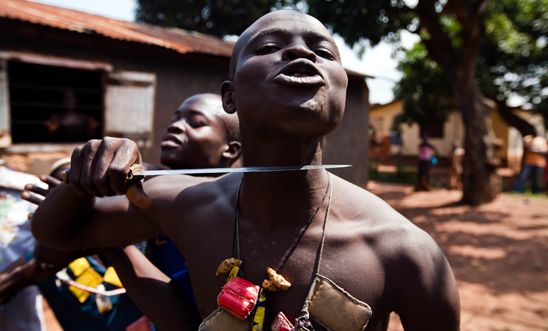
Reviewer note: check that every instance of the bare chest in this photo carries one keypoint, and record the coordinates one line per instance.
(348, 262)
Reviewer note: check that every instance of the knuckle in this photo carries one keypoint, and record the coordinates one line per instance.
(101, 185)
(117, 172)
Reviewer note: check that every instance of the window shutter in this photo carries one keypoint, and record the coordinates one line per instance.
(129, 106)
(5, 131)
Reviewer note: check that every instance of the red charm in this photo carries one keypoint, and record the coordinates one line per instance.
(281, 323)
(238, 297)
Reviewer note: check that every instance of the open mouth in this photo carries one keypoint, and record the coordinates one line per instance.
(300, 73)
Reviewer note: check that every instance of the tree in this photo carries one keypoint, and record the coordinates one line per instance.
(217, 18)
(424, 89)
(453, 35)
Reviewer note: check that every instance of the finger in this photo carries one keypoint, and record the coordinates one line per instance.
(126, 155)
(36, 189)
(51, 181)
(103, 161)
(137, 196)
(76, 169)
(88, 164)
(32, 198)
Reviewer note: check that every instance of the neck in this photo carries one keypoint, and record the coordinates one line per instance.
(282, 198)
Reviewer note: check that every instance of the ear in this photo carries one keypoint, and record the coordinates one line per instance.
(227, 89)
(233, 151)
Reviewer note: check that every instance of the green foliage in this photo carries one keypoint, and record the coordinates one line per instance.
(357, 20)
(514, 59)
(217, 18)
(511, 59)
(425, 90)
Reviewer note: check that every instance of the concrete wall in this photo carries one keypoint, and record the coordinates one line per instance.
(349, 143)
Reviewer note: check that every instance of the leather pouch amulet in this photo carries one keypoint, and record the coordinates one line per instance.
(336, 309)
(238, 297)
(281, 323)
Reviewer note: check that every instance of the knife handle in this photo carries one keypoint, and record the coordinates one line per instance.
(134, 188)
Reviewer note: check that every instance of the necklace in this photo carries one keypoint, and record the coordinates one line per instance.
(294, 243)
(277, 282)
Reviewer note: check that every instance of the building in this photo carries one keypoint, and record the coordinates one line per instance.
(443, 135)
(119, 78)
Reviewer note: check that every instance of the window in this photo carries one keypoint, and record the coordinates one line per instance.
(54, 104)
(58, 100)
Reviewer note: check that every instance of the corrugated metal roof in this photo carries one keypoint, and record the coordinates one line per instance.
(179, 40)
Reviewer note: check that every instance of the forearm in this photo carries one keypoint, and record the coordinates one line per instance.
(54, 222)
(147, 286)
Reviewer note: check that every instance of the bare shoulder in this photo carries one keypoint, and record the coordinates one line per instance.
(380, 223)
(418, 281)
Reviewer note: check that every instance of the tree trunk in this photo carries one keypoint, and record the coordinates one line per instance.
(480, 182)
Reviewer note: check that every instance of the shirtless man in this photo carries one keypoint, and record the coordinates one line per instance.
(288, 87)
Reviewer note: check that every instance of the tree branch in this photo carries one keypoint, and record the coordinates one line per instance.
(439, 46)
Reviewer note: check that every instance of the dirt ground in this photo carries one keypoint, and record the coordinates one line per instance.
(499, 253)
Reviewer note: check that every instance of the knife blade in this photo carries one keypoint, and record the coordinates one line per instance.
(140, 172)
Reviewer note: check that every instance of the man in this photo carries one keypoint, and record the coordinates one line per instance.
(288, 87)
(200, 134)
(534, 162)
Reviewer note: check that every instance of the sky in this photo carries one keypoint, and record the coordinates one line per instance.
(376, 61)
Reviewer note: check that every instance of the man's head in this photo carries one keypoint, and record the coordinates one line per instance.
(286, 74)
(201, 134)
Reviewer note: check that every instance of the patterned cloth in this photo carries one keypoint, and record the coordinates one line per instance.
(24, 311)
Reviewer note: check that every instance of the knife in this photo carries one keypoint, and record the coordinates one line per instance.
(137, 172)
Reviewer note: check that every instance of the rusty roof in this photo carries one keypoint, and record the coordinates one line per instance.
(181, 41)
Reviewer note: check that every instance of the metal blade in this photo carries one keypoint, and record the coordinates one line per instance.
(205, 171)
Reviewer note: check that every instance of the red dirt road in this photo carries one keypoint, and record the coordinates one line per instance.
(498, 251)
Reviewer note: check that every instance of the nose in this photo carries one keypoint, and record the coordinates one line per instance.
(298, 51)
(176, 127)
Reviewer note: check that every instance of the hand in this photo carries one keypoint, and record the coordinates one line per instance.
(36, 194)
(100, 167)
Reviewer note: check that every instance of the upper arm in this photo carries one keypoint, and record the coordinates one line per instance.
(427, 297)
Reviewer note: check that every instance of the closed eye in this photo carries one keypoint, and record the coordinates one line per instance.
(326, 54)
(197, 121)
(266, 49)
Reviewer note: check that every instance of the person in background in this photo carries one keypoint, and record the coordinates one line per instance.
(534, 162)
(455, 174)
(426, 159)
(200, 134)
(71, 124)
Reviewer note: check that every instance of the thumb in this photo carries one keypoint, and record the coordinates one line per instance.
(137, 196)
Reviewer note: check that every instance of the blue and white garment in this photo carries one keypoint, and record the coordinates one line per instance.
(23, 311)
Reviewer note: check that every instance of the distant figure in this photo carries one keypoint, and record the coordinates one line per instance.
(455, 175)
(69, 125)
(534, 162)
(427, 158)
